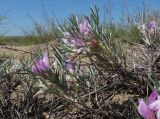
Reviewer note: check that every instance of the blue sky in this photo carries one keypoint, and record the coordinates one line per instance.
(18, 12)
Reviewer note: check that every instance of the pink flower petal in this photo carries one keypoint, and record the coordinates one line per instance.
(155, 105)
(46, 60)
(158, 114)
(84, 26)
(150, 115)
(65, 41)
(153, 25)
(77, 42)
(41, 65)
(35, 69)
(143, 109)
(153, 96)
(44, 67)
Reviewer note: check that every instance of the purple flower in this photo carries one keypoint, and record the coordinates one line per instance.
(155, 106)
(84, 26)
(152, 97)
(41, 65)
(153, 25)
(77, 42)
(145, 111)
(151, 109)
(70, 65)
(66, 42)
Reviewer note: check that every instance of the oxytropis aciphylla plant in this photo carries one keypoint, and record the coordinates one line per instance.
(81, 40)
(86, 37)
(74, 46)
(77, 41)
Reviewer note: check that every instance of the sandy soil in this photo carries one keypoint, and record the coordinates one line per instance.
(16, 51)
